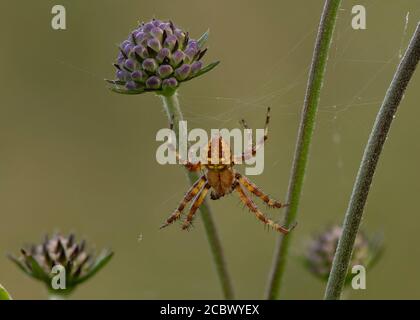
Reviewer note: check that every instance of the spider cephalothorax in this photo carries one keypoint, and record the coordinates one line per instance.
(223, 179)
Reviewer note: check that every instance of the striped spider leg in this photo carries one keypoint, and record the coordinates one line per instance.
(198, 200)
(241, 182)
(249, 153)
(251, 187)
(222, 179)
(195, 190)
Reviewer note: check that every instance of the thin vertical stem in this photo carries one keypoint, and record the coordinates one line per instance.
(313, 91)
(172, 108)
(367, 168)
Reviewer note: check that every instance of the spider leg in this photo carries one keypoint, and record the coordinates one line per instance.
(244, 124)
(258, 192)
(195, 205)
(189, 165)
(248, 154)
(251, 205)
(194, 190)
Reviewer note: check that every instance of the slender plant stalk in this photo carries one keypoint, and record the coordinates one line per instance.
(172, 109)
(313, 90)
(367, 167)
(4, 295)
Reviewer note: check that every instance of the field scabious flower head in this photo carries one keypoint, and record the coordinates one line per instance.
(158, 56)
(77, 261)
(321, 249)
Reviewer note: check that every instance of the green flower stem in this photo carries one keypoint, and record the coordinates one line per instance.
(313, 90)
(367, 167)
(172, 108)
(4, 295)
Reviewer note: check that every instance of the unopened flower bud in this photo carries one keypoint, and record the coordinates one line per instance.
(150, 55)
(153, 82)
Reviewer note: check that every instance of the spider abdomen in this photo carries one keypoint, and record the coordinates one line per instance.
(221, 181)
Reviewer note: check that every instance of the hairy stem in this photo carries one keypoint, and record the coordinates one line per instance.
(172, 108)
(310, 106)
(367, 167)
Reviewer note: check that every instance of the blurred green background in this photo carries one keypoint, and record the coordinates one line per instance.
(77, 157)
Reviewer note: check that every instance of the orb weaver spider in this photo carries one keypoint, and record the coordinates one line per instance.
(223, 179)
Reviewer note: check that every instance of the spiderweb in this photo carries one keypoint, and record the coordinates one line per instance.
(273, 90)
(269, 93)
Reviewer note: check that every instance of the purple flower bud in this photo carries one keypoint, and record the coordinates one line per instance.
(127, 48)
(162, 54)
(120, 58)
(166, 27)
(320, 251)
(140, 37)
(177, 58)
(190, 53)
(165, 71)
(141, 51)
(130, 64)
(170, 83)
(148, 27)
(125, 43)
(196, 66)
(154, 44)
(180, 35)
(156, 22)
(150, 65)
(153, 82)
(170, 42)
(183, 72)
(131, 85)
(121, 75)
(157, 33)
(139, 76)
(193, 44)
